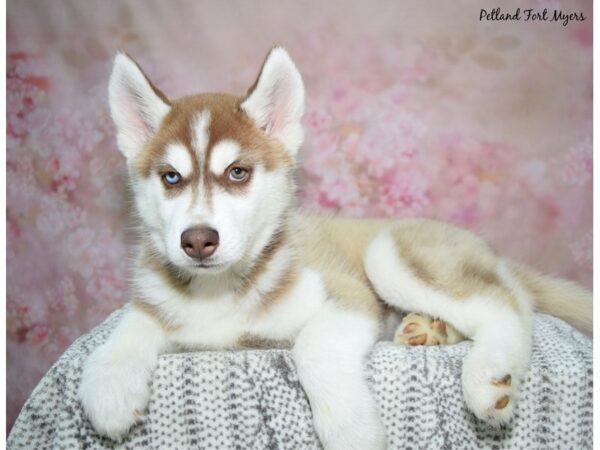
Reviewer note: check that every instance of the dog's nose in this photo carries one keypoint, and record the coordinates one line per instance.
(199, 242)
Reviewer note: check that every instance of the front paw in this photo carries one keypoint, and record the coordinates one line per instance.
(490, 387)
(114, 392)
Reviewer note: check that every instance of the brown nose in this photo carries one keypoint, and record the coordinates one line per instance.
(199, 242)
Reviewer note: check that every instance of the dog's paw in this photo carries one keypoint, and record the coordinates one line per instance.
(114, 393)
(418, 329)
(490, 390)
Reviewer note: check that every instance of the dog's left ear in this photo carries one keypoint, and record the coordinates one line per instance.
(276, 100)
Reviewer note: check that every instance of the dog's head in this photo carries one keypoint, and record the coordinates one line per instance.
(212, 174)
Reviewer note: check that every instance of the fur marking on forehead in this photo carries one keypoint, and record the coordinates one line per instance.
(221, 118)
(178, 157)
(223, 154)
(200, 133)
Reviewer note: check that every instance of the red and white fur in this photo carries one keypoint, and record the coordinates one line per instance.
(224, 258)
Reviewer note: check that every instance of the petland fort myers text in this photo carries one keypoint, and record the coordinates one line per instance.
(531, 15)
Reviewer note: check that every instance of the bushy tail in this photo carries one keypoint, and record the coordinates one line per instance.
(558, 297)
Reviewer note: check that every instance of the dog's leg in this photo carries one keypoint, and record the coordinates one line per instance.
(330, 357)
(495, 365)
(497, 317)
(115, 380)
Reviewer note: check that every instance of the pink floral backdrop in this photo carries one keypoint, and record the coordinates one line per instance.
(412, 111)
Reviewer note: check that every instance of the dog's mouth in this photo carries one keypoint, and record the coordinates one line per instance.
(208, 266)
(202, 264)
(205, 265)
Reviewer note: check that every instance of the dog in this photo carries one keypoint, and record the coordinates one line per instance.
(224, 259)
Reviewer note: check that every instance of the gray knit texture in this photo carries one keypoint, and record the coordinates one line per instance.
(252, 399)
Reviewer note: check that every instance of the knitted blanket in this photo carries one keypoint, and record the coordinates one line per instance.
(251, 399)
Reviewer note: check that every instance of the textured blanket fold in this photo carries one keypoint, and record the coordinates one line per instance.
(252, 399)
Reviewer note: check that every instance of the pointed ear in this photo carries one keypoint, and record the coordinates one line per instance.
(276, 101)
(136, 106)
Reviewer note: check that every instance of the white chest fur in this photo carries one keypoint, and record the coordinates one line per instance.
(220, 319)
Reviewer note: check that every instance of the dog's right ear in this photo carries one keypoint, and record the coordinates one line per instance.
(136, 106)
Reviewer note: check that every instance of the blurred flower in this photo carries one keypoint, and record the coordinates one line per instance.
(583, 249)
(577, 163)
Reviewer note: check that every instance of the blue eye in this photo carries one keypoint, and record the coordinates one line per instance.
(238, 174)
(172, 177)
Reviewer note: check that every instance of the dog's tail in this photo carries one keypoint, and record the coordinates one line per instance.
(561, 298)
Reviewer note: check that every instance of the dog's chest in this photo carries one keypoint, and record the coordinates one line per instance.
(224, 321)
(215, 323)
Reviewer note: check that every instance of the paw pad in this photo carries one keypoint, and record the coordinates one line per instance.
(504, 381)
(417, 329)
(410, 327)
(502, 402)
(418, 340)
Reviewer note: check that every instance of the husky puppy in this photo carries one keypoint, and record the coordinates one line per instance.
(225, 258)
